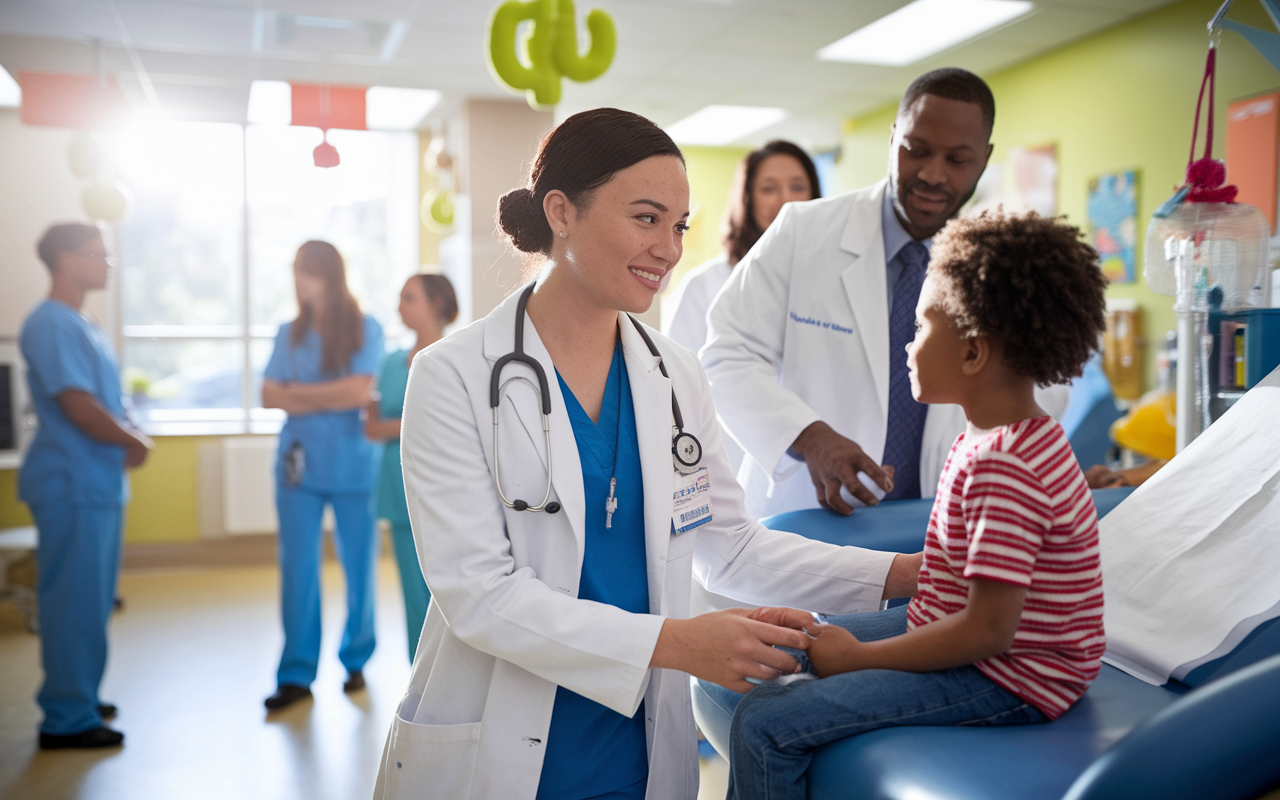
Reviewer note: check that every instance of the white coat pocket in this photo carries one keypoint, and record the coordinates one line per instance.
(433, 762)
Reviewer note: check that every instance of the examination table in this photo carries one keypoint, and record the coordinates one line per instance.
(1123, 739)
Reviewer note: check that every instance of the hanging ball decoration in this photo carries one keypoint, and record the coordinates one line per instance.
(436, 211)
(325, 155)
(86, 155)
(431, 158)
(108, 202)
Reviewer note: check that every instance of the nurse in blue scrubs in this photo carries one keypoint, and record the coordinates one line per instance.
(73, 481)
(427, 304)
(320, 373)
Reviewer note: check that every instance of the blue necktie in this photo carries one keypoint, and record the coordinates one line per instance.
(906, 417)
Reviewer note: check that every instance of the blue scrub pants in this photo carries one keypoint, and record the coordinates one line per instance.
(79, 556)
(416, 593)
(355, 540)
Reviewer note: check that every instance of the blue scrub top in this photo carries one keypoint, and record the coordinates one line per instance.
(63, 351)
(393, 379)
(592, 750)
(338, 456)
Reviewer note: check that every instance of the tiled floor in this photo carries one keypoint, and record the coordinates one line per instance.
(193, 655)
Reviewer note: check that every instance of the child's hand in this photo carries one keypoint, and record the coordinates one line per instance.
(834, 651)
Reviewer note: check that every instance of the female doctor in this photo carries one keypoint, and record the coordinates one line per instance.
(565, 473)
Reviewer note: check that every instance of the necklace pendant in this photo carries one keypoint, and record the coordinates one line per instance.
(610, 504)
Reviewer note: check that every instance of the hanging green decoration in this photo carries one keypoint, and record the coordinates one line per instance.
(551, 51)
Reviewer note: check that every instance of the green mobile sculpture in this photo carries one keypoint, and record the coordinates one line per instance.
(551, 51)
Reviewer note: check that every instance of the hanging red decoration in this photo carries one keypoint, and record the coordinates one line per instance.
(325, 155)
(1206, 176)
(70, 100)
(325, 107)
(320, 105)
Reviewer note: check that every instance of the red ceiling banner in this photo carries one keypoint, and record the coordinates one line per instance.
(73, 101)
(325, 106)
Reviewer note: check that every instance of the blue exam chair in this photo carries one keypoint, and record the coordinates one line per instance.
(1123, 739)
(1089, 414)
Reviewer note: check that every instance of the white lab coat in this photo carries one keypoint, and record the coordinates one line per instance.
(505, 627)
(800, 333)
(688, 323)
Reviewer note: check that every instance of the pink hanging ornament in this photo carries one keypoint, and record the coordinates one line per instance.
(1206, 176)
(325, 155)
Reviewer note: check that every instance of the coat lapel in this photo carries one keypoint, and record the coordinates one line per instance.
(651, 396)
(865, 284)
(566, 474)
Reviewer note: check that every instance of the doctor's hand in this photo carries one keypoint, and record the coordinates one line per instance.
(727, 647)
(835, 461)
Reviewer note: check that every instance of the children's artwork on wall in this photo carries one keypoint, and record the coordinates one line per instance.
(1027, 180)
(1113, 223)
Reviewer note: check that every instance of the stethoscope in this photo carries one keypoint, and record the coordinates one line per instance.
(686, 450)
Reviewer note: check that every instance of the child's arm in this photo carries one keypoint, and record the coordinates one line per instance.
(984, 628)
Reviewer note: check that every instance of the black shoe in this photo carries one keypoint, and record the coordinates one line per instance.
(95, 737)
(355, 682)
(107, 710)
(286, 695)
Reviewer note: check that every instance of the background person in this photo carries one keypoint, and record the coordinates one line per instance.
(556, 640)
(778, 173)
(427, 305)
(321, 373)
(806, 344)
(73, 481)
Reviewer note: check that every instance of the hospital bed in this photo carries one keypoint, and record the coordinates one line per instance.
(1215, 734)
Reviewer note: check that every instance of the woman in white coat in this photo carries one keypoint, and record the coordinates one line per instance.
(555, 531)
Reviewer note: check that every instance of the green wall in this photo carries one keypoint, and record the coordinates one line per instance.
(1118, 100)
(12, 513)
(710, 177)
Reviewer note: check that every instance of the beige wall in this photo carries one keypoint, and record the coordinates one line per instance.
(496, 140)
(39, 190)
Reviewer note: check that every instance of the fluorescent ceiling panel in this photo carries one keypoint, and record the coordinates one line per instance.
(921, 29)
(270, 103)
(720, 125)
(10, 93)
(388, 108)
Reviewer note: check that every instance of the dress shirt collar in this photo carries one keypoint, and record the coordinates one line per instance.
(895, 236)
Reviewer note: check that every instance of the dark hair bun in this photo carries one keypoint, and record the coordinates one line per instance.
(524, 222)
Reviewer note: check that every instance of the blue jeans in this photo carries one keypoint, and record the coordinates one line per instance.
(776, 728)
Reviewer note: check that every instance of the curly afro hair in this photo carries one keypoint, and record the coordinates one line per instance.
(1028, 282)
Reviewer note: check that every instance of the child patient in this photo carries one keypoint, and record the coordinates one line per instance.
(1007, 626)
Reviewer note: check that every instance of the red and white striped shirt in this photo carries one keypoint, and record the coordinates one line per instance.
(1013, 506)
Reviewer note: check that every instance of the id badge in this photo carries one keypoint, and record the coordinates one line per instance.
(691, 503)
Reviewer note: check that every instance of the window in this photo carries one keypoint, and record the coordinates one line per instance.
(207, 250)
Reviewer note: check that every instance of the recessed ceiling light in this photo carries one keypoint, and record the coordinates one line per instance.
(270, 103)
(920, 29)
(720, 125)
(10, 92)
(388, 108)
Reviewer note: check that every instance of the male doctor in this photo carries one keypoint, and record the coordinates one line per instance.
(806, 347)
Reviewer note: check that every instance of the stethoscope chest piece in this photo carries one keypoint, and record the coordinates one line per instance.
(686, 450)
(686, 453)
